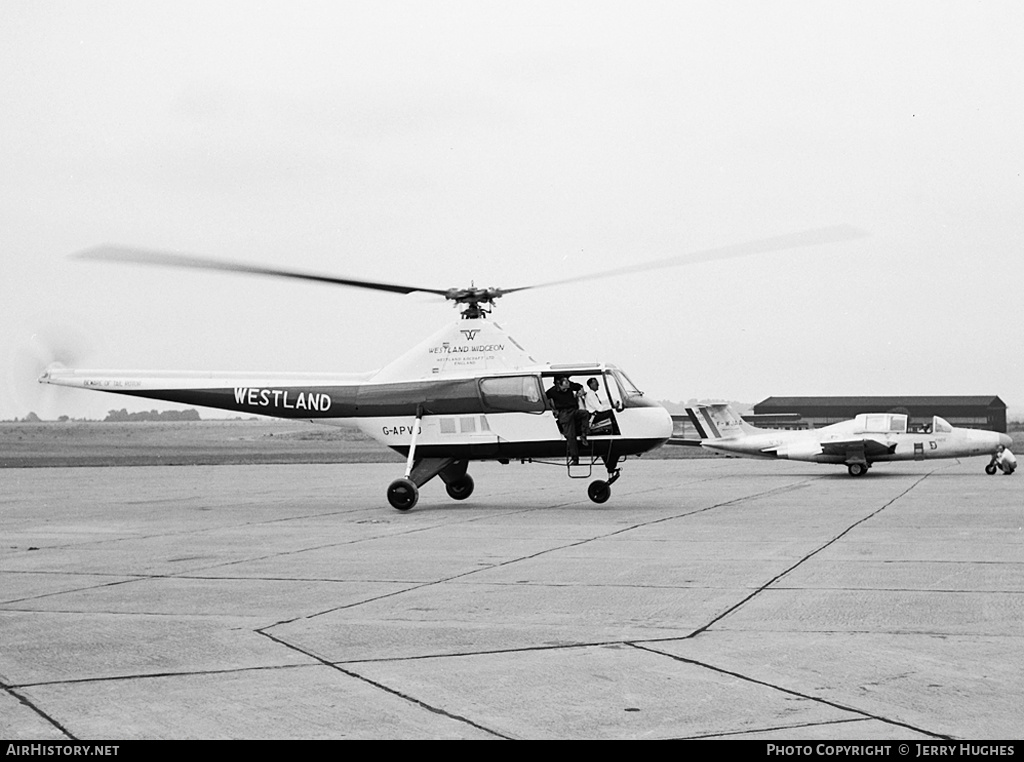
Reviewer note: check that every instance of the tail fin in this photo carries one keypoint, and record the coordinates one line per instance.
(718, 421)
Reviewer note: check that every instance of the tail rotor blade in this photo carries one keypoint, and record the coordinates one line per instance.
(55, 345)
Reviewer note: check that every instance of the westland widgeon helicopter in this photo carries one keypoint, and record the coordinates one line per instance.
(468, 393)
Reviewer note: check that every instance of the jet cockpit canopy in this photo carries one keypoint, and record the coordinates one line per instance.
(881, 423)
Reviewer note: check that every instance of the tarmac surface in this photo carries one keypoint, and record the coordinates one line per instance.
(706, 599)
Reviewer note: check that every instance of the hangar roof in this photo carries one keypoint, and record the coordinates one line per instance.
(878, 404)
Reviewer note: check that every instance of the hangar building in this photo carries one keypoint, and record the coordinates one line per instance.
(981, 412)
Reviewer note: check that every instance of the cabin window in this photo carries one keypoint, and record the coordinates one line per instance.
(898, 424)
(942, 426)
(513, 394)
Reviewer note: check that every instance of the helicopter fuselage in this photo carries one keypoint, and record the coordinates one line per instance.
(493, 416)
(465, 394)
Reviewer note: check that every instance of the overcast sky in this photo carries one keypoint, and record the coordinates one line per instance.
(509, 143)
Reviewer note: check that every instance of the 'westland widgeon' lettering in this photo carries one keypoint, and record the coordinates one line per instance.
(449, 349)
(282, 398)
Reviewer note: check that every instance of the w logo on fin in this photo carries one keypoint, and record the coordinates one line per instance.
(470, 333)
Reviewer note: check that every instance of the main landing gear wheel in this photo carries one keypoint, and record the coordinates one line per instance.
(991, 469)
(599, 491)
(857, 469)
(461, 488)
(403, 494)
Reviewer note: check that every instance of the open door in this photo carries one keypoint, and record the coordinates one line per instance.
(609, 396)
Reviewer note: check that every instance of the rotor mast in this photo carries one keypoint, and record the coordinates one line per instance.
(478, 302)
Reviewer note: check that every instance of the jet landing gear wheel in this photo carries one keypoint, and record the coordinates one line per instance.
(599, 491)
(991, 469)
(461, 488)
(857, 469)
(403, 494)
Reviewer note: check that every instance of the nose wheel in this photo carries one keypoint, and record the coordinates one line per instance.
(857, 469)
(599, 491)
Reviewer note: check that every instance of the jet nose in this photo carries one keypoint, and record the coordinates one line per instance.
(1005, 440)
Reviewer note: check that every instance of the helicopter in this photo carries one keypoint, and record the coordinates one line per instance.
(470, 392)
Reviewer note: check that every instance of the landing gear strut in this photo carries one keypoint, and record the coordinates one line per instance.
(404, 493)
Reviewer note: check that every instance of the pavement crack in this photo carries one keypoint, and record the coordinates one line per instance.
(788, 691)
(546, 551)
(380, 686)
(5, 604)
(772, 729)
(159, 675)
(742, 602)
(31, 706)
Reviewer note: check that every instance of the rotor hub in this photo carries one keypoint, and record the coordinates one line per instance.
(477, 301)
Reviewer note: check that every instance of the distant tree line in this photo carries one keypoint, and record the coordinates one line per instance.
(117, 416)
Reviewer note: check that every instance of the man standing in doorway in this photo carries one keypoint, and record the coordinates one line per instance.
(572, 421)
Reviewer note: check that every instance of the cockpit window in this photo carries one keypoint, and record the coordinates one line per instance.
(875, 423)
(628, 388)
(942, 426)
(882, 423)
(512, 393)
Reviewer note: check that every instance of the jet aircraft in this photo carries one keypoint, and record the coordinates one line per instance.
(858, 443)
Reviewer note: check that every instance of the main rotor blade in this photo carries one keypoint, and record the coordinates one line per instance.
(816, 237)
(110, 253)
